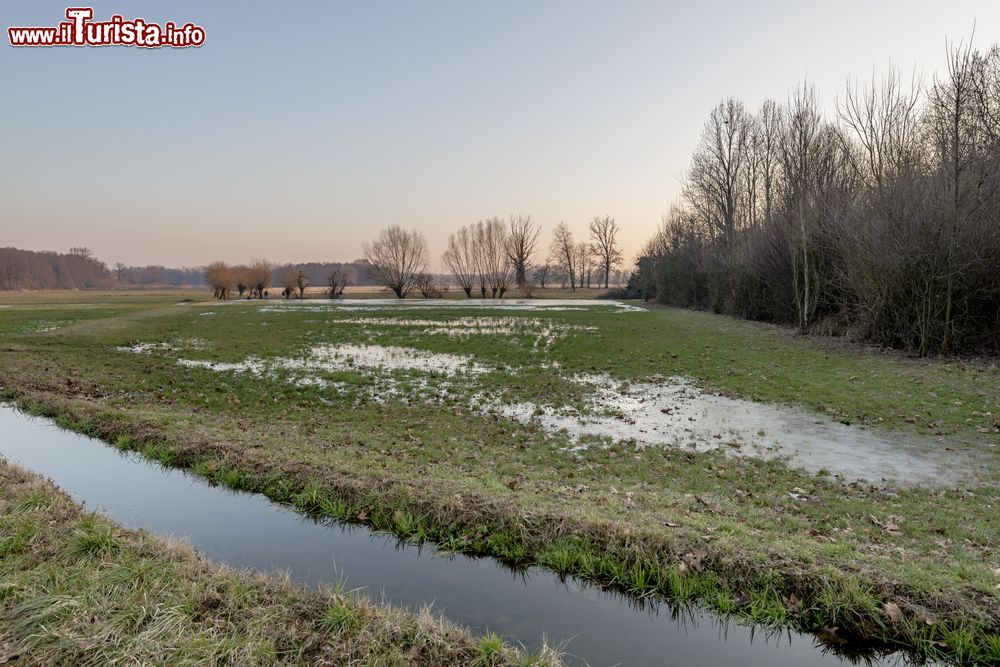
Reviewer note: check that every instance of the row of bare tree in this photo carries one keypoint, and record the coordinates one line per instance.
(881, 222)
(253, 280)
(491, 256)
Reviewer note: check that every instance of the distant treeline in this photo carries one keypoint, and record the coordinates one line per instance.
(880, 223)
(76, 269)
(80, 269)
(155, 275)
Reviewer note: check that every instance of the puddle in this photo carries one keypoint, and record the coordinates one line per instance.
(661, 412)
(179, 345)
(673, 412)
(347, 357)
(247, 531)
(416, 304)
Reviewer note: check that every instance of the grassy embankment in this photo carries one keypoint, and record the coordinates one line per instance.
(910, 567)
(75, 589)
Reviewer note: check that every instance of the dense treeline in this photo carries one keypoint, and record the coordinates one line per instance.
(156, 275)
(881, 223)
(28, 269)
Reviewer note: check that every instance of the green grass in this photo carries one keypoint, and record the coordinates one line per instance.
(426, 468)
(77, 590)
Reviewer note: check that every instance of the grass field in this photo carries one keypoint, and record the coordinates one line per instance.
(444, 441)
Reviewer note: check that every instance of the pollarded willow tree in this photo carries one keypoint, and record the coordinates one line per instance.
(604, 245)
(522, 240)
(396, 258)
(221, 278)
(460, 258)
(259, 276)
(494, 268)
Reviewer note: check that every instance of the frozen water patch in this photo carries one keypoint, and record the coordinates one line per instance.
(545, 331)
(436, 374)
(178, 345)
(666, 412)
(672, 412)
(362, 305)
(347, 357)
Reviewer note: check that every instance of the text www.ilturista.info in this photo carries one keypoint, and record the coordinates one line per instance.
(80, 30)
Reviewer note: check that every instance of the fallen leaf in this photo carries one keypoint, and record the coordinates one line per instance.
(693, 560)
(512, 485)
(792, 603)
(682, 569)
(893, 612)
(829, 632)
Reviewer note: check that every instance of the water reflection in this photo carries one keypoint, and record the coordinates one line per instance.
(596, 626)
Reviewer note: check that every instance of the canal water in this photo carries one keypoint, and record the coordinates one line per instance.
(246, 530)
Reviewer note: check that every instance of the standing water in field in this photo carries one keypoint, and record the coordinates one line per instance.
(246, 530)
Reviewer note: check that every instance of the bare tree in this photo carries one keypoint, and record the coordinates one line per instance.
(715, 180)
(767, 144)
(259, 275)
(336, 284)
(799, 152)
(427, 286)
(541, 274)
(522, 240)
(220, 278)
(242, 277)
(584, 255)
(396, 258)
(289, 282)
(494, 266)
(119, 270)
(883, 118)
(562, 252)
(954, 130)
(301, 282)
(604, 245)
(460, 258)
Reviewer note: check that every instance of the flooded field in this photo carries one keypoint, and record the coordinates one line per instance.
(657, 411)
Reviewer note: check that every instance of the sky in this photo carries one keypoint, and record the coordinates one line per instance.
(300, 129)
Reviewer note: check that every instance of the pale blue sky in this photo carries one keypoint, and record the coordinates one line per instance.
(296, 135)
